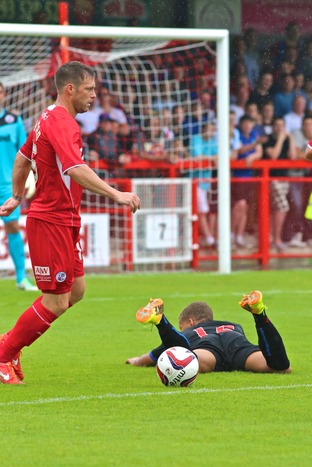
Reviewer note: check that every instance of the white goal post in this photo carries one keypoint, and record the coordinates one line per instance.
(221, 37)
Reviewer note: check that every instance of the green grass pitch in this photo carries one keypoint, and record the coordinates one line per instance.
(82, 406)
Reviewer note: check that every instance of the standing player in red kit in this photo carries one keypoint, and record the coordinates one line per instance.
(53, 151)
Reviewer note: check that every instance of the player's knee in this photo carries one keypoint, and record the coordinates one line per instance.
(76, 298)
(57, 304)
(12, 227)
(78, 290)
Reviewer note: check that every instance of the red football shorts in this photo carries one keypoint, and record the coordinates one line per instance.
(55, 254)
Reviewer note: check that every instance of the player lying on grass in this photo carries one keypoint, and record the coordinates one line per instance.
(219, 345)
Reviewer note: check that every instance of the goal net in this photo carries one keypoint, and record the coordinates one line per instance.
(165, 95)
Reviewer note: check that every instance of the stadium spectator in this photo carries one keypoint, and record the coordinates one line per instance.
(193, 121)
(156, 147)
(292, 39)
(305, 60)
(291, 57)
(54, 212)
(308, 91)
(166, 127)
(243, 62)
(299, 84)
(280, 145)
(89, 121)
(283, 99)
(235, 142)
(204, 147)
(177, 152)
(203, 70)
(179, 75)
(218, 345)
(239, 106)
(207, 113)
(267, 114)
(293, 119)
(252, 55)
(252, 110)
(296, 229)
(263, 91)
(105, 105)
(285, 68)
(163, 97)
(142, 105)
(179, 124)
(12, 136)
(103, 144)
(236, 83)
(160, 70)
(242, 192)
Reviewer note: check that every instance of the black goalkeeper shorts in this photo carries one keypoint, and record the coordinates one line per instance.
(231, 349)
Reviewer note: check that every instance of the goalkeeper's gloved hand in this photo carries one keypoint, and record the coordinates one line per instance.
(30, 185)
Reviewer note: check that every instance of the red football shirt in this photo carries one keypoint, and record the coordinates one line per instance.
(55, 146)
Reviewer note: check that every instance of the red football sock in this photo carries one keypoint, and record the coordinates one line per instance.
(30, 325)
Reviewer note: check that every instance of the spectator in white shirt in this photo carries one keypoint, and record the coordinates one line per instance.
(293, 120)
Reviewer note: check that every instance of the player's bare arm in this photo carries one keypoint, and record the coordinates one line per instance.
(142, 360)
(20, 173)
(89, 180)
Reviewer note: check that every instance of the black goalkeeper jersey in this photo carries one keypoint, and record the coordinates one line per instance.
(200, 331)
(226, 340)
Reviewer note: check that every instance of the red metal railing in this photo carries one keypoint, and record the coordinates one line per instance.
(262, 252)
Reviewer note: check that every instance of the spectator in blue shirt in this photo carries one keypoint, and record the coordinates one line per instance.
(283, 99)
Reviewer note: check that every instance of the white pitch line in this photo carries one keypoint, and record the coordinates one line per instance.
(199, 295)
(206, 295)
(171, 392)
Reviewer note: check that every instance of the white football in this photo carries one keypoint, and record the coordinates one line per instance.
(177, 366)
